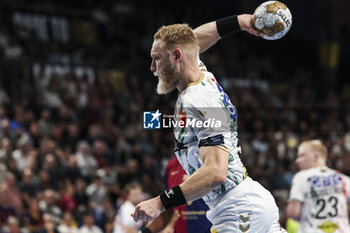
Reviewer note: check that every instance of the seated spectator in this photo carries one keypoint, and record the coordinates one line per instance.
(45, 123)
(35, 134)
(88, 226)
(68, 224)
(5, 209)
(27, 186)
(49, 225)
(6, 131)
(103, 213)
(48, 205)
(51, 165)
(22, 155)
(44, 181)
(5, 149)
(51, 96)
(11, 193)
(101, 153)
(86, 161)
(13, 226)
(67, 201)
(3, 172)
(72, 171)
(33, 216)
(96, 191)
(80, 194)
(73, 136)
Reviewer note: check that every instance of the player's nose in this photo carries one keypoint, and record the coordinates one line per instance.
(152, 67)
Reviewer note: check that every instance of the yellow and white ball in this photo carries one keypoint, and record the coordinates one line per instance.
(273, 18)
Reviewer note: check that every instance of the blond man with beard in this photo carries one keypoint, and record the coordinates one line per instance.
(209, 155)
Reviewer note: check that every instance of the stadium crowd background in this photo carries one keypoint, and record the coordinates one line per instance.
(75, 79)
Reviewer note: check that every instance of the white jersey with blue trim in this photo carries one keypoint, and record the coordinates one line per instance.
(324, 193)
(205, 116)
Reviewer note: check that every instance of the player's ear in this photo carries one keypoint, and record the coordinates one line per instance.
(316, 157)
(177, 53)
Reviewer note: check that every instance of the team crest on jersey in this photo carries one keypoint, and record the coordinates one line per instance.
(328, 227)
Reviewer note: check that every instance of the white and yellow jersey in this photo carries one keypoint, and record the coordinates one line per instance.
(205, 116)
(324, 193)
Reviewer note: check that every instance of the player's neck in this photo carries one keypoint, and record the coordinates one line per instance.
(189, 76)
(320, 164)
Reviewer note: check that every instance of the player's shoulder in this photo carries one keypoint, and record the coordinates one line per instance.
(306, 173)
(299, 175)
(316, 171)
(202, 93)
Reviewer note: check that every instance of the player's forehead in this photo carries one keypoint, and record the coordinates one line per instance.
(157, 47)
(303, 149)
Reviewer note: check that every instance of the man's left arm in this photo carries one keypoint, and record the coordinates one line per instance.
(206, 178)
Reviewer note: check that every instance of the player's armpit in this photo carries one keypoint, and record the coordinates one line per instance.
(294, 209)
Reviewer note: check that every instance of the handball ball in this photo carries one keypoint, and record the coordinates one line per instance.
(273, 18)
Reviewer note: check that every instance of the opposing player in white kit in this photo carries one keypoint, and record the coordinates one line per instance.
(209, 153)
(319, 196)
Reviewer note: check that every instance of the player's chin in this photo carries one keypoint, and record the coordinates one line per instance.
(163, 89)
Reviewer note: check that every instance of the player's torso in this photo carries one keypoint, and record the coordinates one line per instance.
(325, 206)
(218, 109)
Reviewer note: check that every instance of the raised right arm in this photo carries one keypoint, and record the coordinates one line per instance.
(209, 33)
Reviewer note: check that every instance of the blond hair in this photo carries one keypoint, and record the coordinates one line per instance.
(177, 35)
(317, 146)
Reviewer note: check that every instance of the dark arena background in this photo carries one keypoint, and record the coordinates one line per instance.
(75, 80)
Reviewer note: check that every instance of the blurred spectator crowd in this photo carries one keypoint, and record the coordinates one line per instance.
(70, 140)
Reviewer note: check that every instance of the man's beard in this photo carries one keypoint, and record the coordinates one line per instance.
(168, 81)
